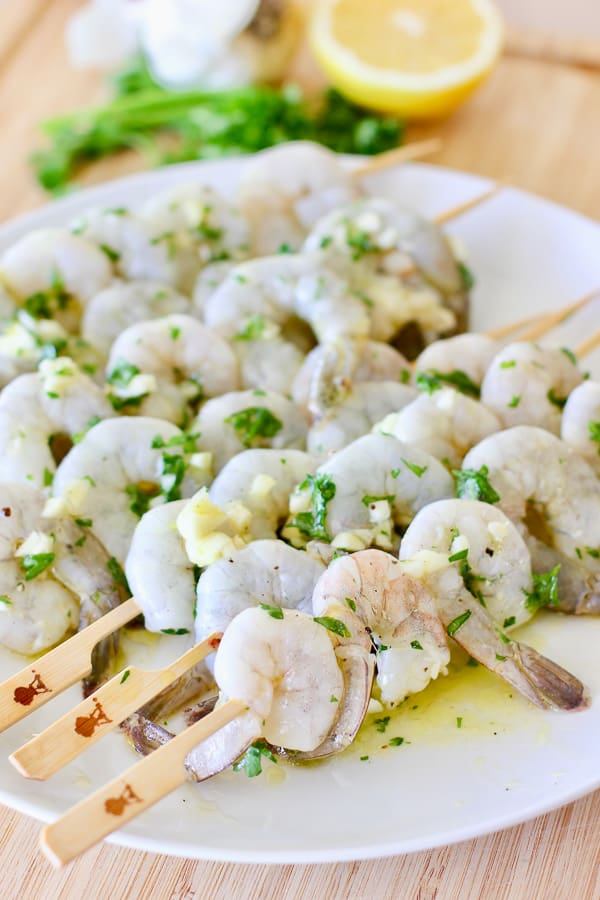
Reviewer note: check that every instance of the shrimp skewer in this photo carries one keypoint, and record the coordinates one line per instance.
(279, 676)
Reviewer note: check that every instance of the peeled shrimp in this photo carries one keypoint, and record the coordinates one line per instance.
(357, 413)
(580, 425)
(445, 423)
(284, 191)
(262, 480)
(478, 569)
(118, 468)
(54, 578)
(276, 288)
(468, 353)
(528, 385)
(399, 613)
(40, 412)
(244, 419)
(56, 270)
(286, 671)
(197, 226)
(358, 495)
(186, 360)
(268, 572)
(555, 496)
(133, 246)
(117, 307)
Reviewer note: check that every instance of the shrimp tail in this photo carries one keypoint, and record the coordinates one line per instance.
(358, 671)
(553, 686)
(143, 735)
(186, 689)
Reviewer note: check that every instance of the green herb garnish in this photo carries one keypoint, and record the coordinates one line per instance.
(275, 612)
(251, 760)
(254, 422)
(545, 590)
(458, 622)
(334, 625)
(312, 523)
(34, 564)
(473, 484)
(432, 380)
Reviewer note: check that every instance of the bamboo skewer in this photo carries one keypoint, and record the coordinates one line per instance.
(557, 318)
(456, 211)
(129, 794)
(90, 720)
(588, 345)
(503, 331)
(398, 155)
(58, 669)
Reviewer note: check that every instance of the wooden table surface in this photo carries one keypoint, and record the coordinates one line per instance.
(534, 122)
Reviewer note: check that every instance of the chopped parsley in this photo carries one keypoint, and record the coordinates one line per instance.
(416, 645)
(251, 760)
(113, 255)
(174, 332)
(459, 555)
(381, 724)
(48, 478)
(359, 242)
(432, 380)
(177, 631)
(172, 473)
(185, 440)
(312, 523)
(396, 741)
(334, 699)
(275, 612)
(474, 484)
(118, 574)
(351, 603)
(125, 676)
(508, 622)
(569, 354)
(5, 600)
(514, 401)
(79, 436)
(122, 374)
(253, 330)
(459, 721)
(368, 499)
(508, 364)
(419, 471)
(470, 580)
(334, 625)
(254, 422)
(594, 433)
(34, 564)
(559, 402)
(466, 276)
(545, 590)
(84, 523)
(458, 622)
(140, 496)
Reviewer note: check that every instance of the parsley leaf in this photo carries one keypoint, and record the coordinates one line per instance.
(458, 622)
(334, 625)
(254, 422)
(312, 523)
(545, 590)
(431, 380)
(35, 563)
(275, 612)
(473, 484)
(251, 760)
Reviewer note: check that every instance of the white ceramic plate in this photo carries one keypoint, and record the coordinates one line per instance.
(507, 762)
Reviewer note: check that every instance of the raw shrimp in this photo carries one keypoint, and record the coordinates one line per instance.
(267, 360)
(208, 280)
(286, 671)
(55, 273)
(357, 413)
(330, 370)
(25, 341)
(275, 288)
(399, 613)
(262, 480)
(197, 226)
(187, 361)
(247, 501)
(486, 594)
(245, 419)
(40, 414)
(359, 495)
(445, 423)
(580, 426)
(120, 467)
(54, 577)
(117, 307)
(464, 354)
(267, 572)
(554, 494)
(375, 237)
(286, 189)
(131, 244)
(529, 385)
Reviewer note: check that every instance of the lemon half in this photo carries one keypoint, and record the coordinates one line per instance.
(417, 58)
